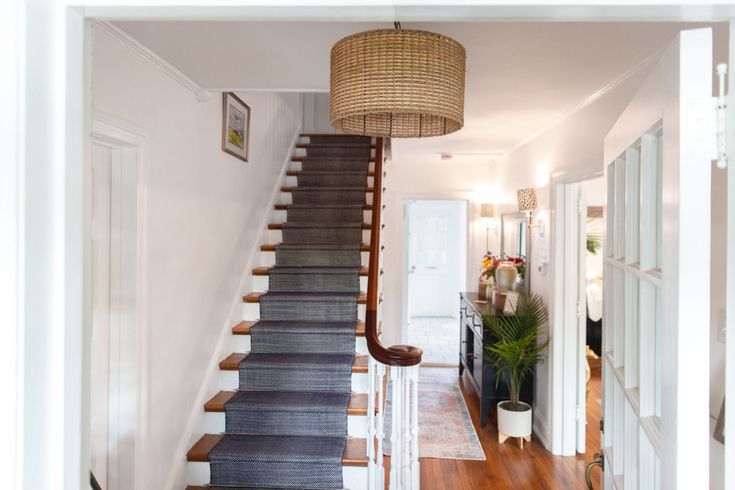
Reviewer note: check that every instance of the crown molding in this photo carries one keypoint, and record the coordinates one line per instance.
(144, 53)
(589, 100)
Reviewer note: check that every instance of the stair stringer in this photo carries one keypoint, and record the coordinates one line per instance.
(195, 422)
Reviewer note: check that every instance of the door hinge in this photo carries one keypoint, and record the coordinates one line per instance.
(602, 425)
(579, 206)
(721, 118)
(579, 309)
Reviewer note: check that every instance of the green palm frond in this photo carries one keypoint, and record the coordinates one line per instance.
(594, 242)
(519, 342)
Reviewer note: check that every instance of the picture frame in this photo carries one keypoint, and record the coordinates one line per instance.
(235, 126)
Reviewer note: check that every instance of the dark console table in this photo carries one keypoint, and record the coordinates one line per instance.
(481, 374)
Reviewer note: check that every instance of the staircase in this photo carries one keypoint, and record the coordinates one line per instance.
(293, 408)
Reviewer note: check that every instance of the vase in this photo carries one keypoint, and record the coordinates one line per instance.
(489, 290)
(505, 276)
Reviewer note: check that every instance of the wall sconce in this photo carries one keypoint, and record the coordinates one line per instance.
(487, 213)
(528, 203)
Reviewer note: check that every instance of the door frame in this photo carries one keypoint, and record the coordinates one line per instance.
(117, 134)
(565, 341)
(403, 200)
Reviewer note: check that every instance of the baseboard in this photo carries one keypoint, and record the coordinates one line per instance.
(210, 386)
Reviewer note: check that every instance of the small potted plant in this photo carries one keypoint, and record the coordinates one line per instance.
(517, 348)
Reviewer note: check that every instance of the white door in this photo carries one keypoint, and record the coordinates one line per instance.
(434, 258)
(656, 306)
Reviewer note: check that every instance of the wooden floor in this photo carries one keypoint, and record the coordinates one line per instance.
(509, 467)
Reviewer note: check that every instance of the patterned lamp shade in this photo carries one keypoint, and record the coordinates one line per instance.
(487, 210)
(527, 200)
(397, 83)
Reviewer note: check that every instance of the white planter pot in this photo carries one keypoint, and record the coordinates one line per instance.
(515, 424)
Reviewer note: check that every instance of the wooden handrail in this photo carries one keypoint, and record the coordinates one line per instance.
(396, 355)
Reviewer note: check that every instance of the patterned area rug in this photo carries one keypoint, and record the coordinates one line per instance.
(445, 426)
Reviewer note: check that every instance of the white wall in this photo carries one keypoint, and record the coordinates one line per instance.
(436, 180)
(316, 113)
(205, 212)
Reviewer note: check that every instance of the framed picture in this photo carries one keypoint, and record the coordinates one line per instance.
(235, 126)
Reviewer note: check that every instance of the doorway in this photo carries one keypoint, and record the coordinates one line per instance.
(113, 369)
(436, 273)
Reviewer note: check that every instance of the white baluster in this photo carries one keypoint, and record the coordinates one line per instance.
(396, 439)
(406, 457)
(380, 434)
(372, 373)
(414, 402)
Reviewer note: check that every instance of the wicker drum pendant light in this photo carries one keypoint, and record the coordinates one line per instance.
(397, 83)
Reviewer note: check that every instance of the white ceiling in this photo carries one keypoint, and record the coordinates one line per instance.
(521, 76)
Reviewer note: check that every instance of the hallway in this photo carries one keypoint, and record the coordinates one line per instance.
(507, 466)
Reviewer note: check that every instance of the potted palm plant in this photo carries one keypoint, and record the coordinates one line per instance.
(519, 342)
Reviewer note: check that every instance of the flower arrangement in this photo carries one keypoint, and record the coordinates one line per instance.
(491, 262)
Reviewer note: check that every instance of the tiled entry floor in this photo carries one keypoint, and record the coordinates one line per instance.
(438, 337)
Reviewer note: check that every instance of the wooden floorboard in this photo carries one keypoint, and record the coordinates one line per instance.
(507, 466)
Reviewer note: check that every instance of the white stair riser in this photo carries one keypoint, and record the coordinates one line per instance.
(300, 152)
(268, 259)
(280, 216)
(276, 236)
(353, 477)
(260, 283)
(251, 311)
(292, 181)
(287, 198)
(241, 343)
(214, 423)
(296, 166)
(230, 381)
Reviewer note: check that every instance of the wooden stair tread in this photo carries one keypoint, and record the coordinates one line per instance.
(354, 455)
(271, 247)
(295, 173)
(357, 406)
(284, 207)
(243, 328)
(255, 298)
(200, 450)
(232, 362)
(279, 226)
(296, 158)
(289, 188)
(264, 271)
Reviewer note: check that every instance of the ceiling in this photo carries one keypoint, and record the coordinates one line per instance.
(521, 76)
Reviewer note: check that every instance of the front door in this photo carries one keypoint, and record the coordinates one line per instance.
(657, 268)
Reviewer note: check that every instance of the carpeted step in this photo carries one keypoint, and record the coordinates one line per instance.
(344, 213)
(330, 373)
(277, 461)
(327, 232)
(268, 336)
(336, 307)
(314, 279)
(287, 413)
(313, 178)
(333, 151)
(319, 164)
(319, 254)
(339, 140)
(329, 195)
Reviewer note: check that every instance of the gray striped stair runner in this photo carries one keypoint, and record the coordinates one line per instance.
(286, 427)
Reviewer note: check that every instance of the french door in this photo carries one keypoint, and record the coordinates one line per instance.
(657, 276)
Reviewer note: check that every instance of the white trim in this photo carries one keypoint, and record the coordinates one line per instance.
(730, 284)
(541, 428)
(210, 384)
(144, 53)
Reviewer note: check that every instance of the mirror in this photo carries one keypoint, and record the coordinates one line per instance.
(514, 234)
